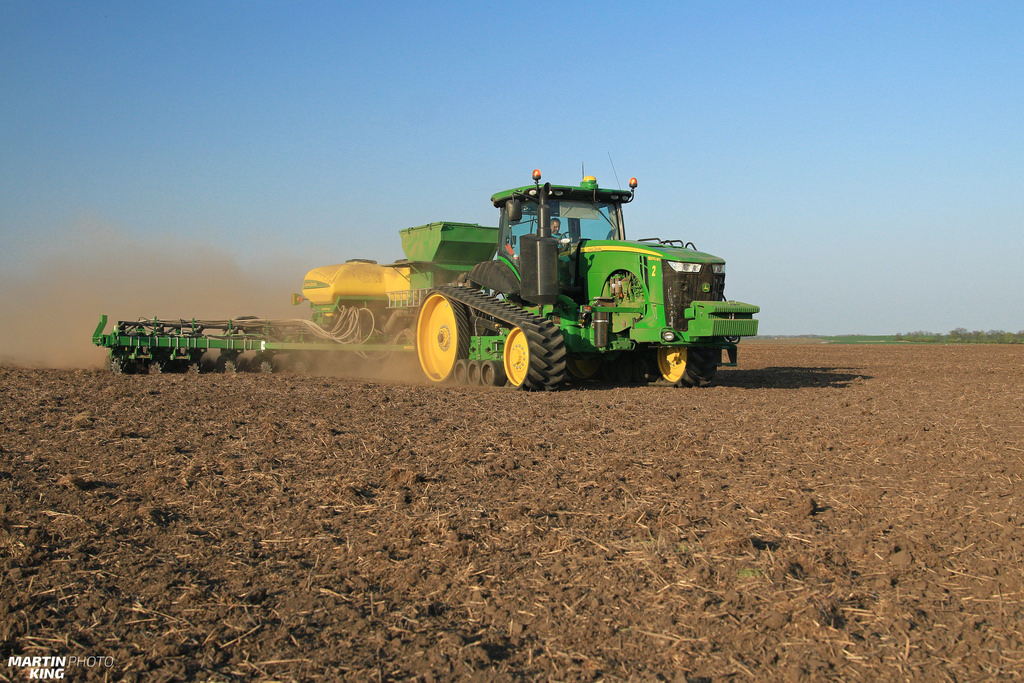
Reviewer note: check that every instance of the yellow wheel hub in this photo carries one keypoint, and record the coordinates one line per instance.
(437, 338)
(516, 357)
(672, 362)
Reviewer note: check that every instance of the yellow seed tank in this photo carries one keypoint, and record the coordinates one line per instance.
(354, 281)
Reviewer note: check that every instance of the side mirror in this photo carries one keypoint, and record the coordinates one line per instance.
(514, 210)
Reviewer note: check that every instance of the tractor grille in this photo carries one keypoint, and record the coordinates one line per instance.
(681, 289)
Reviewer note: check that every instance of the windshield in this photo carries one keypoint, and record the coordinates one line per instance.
(571, 221)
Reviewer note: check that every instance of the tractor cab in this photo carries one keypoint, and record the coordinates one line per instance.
(542, 230)
(574, 214)
(570, 221)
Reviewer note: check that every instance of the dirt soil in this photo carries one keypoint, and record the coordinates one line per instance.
(822, 513)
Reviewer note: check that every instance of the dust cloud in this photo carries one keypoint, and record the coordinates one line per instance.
(51, 303)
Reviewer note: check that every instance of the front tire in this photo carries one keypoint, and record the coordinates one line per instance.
(682, 366)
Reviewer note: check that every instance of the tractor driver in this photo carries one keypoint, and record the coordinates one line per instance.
(556, 232)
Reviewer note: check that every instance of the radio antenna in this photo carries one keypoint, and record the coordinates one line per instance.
(617, 183)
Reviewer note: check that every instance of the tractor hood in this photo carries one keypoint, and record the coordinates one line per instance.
(674, 251)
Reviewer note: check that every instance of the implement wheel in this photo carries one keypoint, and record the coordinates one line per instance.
(442, 336)
(120, 365)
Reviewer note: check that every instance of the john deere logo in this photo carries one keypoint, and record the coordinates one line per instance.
(706, 288)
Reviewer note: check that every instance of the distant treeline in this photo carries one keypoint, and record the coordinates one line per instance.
(962, 335)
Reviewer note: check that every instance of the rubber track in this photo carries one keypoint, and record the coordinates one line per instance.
(547, 345)
(462, 331)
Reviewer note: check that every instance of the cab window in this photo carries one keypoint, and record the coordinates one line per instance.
(576, 220)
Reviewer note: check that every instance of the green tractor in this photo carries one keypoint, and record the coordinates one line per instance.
(568, 297)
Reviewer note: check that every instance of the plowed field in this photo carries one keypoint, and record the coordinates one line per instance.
(821, 513)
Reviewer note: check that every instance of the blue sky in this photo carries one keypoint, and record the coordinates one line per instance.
(860, 166)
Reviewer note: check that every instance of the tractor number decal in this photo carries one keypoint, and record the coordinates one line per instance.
(654, 266)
